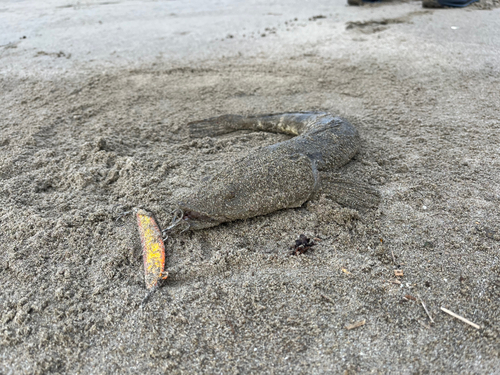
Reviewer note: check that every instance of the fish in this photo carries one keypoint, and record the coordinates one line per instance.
(153, 249)
(280, 176)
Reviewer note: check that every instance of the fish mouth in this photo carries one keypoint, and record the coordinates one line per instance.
(197, 220)
(194, 215)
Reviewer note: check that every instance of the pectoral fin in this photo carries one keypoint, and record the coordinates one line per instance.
(348, 192)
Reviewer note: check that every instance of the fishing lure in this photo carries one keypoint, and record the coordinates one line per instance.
(153, 249)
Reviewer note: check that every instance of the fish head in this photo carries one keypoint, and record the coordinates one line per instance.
(213, 203)
(195, 219)
(258, 184)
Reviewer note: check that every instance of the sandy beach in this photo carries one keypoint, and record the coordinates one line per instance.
(95, 98)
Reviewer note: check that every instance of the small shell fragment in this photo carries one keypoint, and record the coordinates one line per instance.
(153, 249)
(398, 273)
(356, 325)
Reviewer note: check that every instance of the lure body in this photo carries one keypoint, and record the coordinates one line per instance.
(153, 249)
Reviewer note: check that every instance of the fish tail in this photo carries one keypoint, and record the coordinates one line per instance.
(215, 126)
(294, 123)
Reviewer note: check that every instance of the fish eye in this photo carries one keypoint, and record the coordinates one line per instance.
(231, 193)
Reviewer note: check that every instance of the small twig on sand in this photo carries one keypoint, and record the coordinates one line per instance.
(393, 259)
(426, 311)
(327, 298)
(356, 325)
(461, 318)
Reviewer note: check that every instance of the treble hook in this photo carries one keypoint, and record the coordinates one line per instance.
(176, 220)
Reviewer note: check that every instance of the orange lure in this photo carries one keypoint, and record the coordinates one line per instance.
(153, 249)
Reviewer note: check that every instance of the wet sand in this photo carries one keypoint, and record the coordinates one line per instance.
(95, 101)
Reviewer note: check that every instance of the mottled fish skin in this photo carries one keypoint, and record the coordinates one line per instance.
(283, 175)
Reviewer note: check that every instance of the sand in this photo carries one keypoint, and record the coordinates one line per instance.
(95, 101)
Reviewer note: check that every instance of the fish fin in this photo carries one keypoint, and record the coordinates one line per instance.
(215, 126)
(348, 192)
